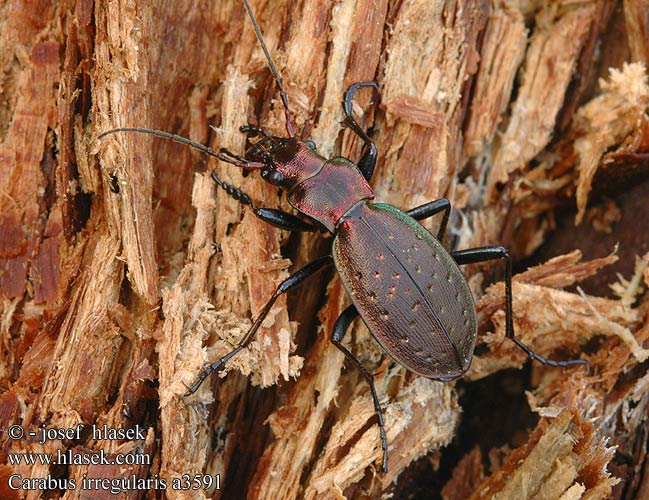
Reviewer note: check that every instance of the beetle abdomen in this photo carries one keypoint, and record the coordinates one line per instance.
(408, 290)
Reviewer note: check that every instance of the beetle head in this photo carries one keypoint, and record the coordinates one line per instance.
(286, 161)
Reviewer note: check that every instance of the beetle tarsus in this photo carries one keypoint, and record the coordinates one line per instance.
(351, 90)
(206, 373)
(546, 361)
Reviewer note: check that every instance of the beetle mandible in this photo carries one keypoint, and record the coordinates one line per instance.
(402, 282)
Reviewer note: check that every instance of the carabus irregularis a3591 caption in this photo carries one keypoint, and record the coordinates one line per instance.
(406, 287)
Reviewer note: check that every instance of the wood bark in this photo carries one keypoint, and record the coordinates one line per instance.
(124, 270)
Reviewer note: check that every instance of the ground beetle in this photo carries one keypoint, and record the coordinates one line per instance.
(406, 287)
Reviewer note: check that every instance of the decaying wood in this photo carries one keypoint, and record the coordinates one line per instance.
(560, 460)
(124, 270)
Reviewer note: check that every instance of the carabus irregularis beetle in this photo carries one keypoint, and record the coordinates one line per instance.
(406, 287)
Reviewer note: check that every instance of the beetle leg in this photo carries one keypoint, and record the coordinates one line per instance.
(432, 208)
(277, 218)
(368, 160)
(294, 279)
(283, 220)
(482, 254)
(340, 328)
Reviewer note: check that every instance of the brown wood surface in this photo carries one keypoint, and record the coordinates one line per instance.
(124, 270)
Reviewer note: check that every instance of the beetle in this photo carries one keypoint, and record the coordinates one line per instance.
(402, 282)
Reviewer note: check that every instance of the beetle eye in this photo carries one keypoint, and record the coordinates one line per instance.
(275, 177)
(310, 144)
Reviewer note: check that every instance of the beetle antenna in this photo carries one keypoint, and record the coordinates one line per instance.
(239, 162)
(273, 70)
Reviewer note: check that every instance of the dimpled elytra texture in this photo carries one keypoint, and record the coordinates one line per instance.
(408, 290)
